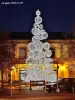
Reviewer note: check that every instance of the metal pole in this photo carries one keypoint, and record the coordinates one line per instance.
(45, 87)
(57, 90)
(45, 79)
(57, 75)
(11, 83)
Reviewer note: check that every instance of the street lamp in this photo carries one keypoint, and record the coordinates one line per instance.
(57, 89)
(11, 82)
(11, 79)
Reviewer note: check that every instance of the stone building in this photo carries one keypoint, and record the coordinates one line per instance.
(60, 55)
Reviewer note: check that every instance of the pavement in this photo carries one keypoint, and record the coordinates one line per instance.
(42, 98)
(26, 94)
(38, 95)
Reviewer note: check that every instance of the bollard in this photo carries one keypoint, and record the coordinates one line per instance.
(57, 90)
(72, 89)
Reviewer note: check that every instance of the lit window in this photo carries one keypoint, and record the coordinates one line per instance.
(22, 52)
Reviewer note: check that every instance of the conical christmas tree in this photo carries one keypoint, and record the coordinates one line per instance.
(40, 63)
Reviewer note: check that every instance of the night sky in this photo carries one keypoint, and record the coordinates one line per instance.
(56, 14)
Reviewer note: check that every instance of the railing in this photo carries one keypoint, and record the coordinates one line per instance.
(37, 83)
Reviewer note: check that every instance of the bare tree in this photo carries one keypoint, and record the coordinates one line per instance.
(70, 46)
(7, 48)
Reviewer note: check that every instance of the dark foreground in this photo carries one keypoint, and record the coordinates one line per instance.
(35, 95)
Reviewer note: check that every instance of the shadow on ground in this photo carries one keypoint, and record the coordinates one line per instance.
(5, 92)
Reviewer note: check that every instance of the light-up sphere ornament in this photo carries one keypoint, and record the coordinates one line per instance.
(30, 60)
(44, 35)
(42, 54)
(35, 31)
(35, 25)
(52, 77)
(39, 46)
(46, 45)
(37, 53)
(31, 54)
(38, 19)
(35, 39)
(31, 46)
(48, 53)
(40, 26)
(49, 60)
(38, 13)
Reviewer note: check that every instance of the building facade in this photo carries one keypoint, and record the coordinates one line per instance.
(60, 54)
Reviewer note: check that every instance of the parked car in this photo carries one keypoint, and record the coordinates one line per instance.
(64, 84)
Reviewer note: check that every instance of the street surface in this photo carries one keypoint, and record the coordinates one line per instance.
(26, 94)
(39, 95)
(43, 98)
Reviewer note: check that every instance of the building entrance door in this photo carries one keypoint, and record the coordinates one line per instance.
(22, 75)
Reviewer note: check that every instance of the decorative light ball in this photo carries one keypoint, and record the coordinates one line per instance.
(44, 35)
(37, 60)
(36, 25)
(31, 46)
(42, 30)
(46, 76)
(38, 19)
(46, 45)
(35, 39)
(50, 69)
(43, 68)
(47, 65)
(42, 54)
(31, 54)
(38, 66)
(34, 65)
(39, 45)
(49, 60)
(46, 61)
(51, 65)
(40, 37)
(48, 53)
(35, 31)
(53, 77)
(40, 26)
(38, 13)
(30, 65)
(36, 52)
(42, 60)
(29, 60)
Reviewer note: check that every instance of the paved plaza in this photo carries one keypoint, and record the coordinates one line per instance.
(26, 94)
(38, 95)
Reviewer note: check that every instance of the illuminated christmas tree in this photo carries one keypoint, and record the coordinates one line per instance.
(39, 61)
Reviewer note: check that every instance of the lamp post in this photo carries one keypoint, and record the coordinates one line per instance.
(57, 89)
(11, 82)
